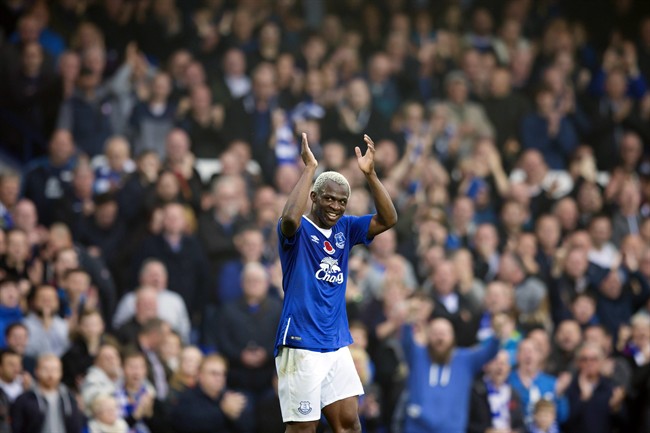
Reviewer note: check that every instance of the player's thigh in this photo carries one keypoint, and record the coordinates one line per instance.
(343, 415)
(300, 377)
(301, 427)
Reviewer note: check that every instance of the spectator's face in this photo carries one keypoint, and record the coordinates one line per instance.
(611, 287)
(32, 58)
(69, 66)
(48, 372)
(25, 215)
(445, 278)
(641, 334)
(497, 298)
(568, 336)
(228, 198)
(589, 198)
(17, 339)
(46, 301)
(631, 149)
(457, 91)
(154, 275)
(9, 190)
(255, 284)
(251, 245)
(544, 418)
(107, 411)
(234, 63)
(576, 263)
(441, 336)
(513, 215)
(583, 309)
(167, 187)
(17, 246)
(201, 99)
(334, 155)
(174, 221)
(212, 377)
(190, 361)
(91, 326)
(616, 85)
(314, 84)
(590, 361)
(28, 30)
(135, 370)
(11, 367)
(106, 214)
(567, 213)
(83, 181)
(61, 146)
(170, 347)
(9, 294)
(600, 231)
(65, 260)
(108, 359)
(499, 368)
(161, 86)
(358, 95)
(528, 355)
(385, 244)
(264, 84)
(597, 336)
(146, 305)
(117, 154)
(486, 237)
(178, 144)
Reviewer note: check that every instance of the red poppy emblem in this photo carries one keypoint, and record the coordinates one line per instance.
(329, 249)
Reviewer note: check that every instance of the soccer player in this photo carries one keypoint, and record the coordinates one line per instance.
(315, 369)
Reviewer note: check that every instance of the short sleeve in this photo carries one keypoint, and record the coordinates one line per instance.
(287, 242)
(358, 229)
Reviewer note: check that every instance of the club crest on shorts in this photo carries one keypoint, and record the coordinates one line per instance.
(339, 239)
(329, 249)
(304, 408)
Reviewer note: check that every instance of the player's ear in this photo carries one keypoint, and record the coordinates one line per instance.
(312, 196)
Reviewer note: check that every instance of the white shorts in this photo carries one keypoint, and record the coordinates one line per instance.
(308, 381)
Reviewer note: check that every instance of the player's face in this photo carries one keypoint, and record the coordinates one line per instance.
(329, 206)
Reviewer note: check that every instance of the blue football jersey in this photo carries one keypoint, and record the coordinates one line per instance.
(315, 274)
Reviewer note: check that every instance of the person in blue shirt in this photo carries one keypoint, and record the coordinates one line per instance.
(441, 375)
(532, 384)
(316, 372)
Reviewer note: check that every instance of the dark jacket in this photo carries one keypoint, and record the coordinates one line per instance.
(241, 326)
(480, 415)
(593, 415)
(194, 412)
(29, 409)
(5, 419)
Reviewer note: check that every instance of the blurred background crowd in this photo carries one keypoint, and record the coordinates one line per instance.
(147, 148)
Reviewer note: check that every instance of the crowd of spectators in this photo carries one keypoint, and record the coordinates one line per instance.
(147, 148)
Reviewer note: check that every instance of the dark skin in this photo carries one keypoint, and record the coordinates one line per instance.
(326, 209)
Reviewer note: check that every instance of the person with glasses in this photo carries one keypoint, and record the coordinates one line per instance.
(596, 404)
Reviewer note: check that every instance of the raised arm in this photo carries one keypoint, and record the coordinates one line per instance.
(297, 201)
(386, 216)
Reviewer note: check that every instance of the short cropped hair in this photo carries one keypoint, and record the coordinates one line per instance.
(324, 177)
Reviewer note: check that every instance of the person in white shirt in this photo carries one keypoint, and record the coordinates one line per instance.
(171, 307)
